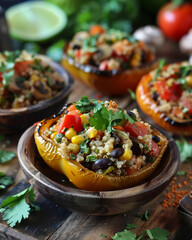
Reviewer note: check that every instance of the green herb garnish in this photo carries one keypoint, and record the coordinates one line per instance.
(6, 156)
(185, 149)
(5, 181)
(72, 156)
(8, 77)
(37, 65)
(130, 226)
(159, 69)
(181, 173)
(18, 207)
(185, 110)
(91, 158)
(85, 105)
(90, 44)
(84, 148)
(132, 94)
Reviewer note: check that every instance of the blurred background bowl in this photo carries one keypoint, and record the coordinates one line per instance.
(16, 120)
(57, 188)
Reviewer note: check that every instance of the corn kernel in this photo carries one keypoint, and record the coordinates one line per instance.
(189, 80)
(78, 138)
(136, 60)
(52, 136)
(85, 118)
(70, 133)
(73, 147)
(34, 78)
(91, 132)
(127, 155)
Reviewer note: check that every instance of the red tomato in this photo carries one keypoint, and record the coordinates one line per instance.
(1, 77)
(172, 93)
(136, 129)
(130, 171)
(73, 110)
(71, 121)
(175, 21)
(100, 133)
(21, 66)
(154, 149)
(188, 104)
(96, 29)
(103, 65)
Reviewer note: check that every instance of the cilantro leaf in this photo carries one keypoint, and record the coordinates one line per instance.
(91, 158)
(84, 147)
(72, 156)
(132, 94)
(85, 104)
(185, 70)
(98, 121)
(181, 173)
(158, 70)
(125, 235)
(159, 233)
(4, 67)
(5, 181)
(16, 208)
(185, 149)
(8, 77)
(131, 226)
(6, 156)
(103, 236)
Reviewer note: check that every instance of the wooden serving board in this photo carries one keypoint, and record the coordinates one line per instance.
(54, 222)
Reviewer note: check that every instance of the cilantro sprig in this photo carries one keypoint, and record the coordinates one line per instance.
(154, 233)
(18, 207)
(159, 69)
(185, 149)
(5, 181)
(6, 156)
(85, 104)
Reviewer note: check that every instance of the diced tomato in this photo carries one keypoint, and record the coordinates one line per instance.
(78, 53)
(136, 129)
(172, 93)
(71, 121)
(188, 104)
(130, 171)
(1, 77)
(21, 66)
(73, 110)
(154, 149)
(103, 65)
(176, 111)
(96, 29)
(100, 133)
(120, 128)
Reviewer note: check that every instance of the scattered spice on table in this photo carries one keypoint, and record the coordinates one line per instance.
(177, 191)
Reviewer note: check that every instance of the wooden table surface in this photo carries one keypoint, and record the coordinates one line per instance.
(54, 222)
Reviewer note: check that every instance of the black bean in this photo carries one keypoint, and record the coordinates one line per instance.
(117, 138)
(76, 46)
(117, 152)
(137, 151)
(131, 114)
(156, 139)
(155, 95)
(101, 163)
(87, 165)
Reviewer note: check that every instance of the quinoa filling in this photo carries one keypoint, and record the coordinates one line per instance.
(26, 79)
(171, 89)
(104, 138)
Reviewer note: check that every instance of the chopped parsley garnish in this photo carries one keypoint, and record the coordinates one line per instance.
(181, 173)
(103, 235)
(37, 65)
(90, 44)
(91, 158)
(132, 94)
(18, 207)
(185, 71)
(185, 110)
(85, 104)
(5, 181)
(8, 77)
(72, 156)
(84, 147)
(159, 69)
(6, 156)
(185, 149)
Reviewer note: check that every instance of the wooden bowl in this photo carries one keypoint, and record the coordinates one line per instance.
(58, 189)
(108, 82)
(17, 120)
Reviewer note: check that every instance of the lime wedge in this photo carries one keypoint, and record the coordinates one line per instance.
(35, 21)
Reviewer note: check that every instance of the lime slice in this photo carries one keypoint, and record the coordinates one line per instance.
(35, 21)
